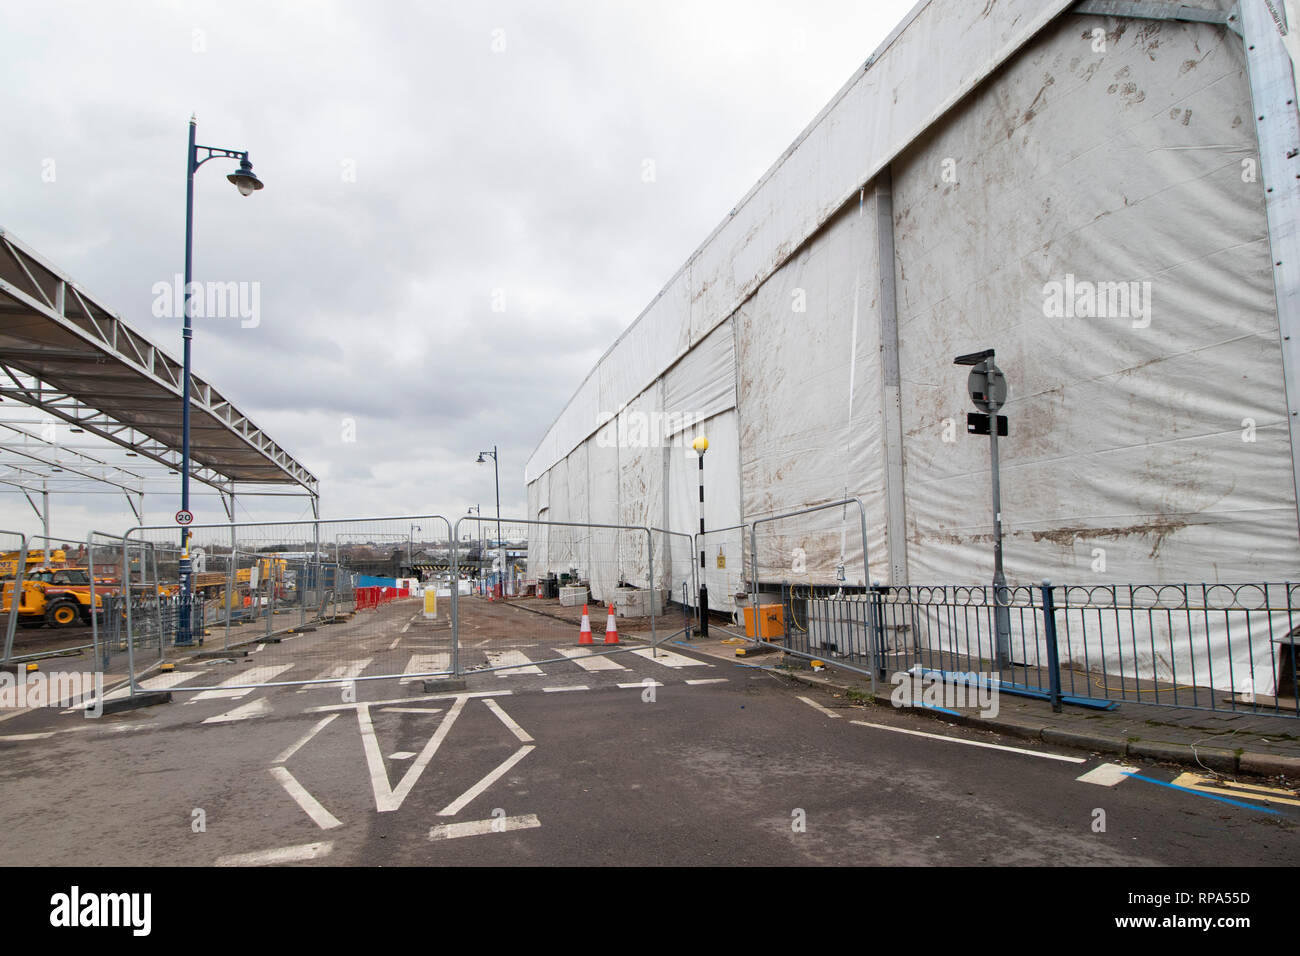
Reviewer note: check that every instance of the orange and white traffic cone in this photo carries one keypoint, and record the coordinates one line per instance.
(611, 627)
(584, 636)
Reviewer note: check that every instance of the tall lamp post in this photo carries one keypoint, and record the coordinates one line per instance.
(410, 546)
(496, 468)
(477, 510)
(246, 181)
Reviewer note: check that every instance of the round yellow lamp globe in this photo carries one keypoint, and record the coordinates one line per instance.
(700, 444)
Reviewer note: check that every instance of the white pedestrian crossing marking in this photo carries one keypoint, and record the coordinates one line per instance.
(257, 708)
(1107, 775)
(505, 658)
(254, 675)
(427, 664)
(589, 661)
(342, 672)
(157, 682)
(668, 658)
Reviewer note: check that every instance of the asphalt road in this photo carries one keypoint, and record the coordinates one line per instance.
(713, 763)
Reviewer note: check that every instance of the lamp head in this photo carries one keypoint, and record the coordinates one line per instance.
(700, 444)
(245, 179)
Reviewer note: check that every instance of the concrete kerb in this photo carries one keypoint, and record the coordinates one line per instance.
(1190, 755)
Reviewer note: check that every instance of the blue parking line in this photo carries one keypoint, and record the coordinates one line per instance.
(1208, 796)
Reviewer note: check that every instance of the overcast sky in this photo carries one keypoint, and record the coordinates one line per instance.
(423, 163)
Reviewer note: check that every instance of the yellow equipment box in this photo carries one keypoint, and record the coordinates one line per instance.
(771, 621)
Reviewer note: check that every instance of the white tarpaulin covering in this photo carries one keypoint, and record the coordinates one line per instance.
(1085, 199)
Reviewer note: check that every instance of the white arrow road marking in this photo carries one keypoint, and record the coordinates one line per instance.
(257, 708)
(287, 854)
(668, 658)
(319, 726)
(590, 661)
(971, 743)
(816, 706)
(310, 805)
(463, 800)
(1107, 775)
(450, 831)
(388, 799)
(506, 719)
(254, 675)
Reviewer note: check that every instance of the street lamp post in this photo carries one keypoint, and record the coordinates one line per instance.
(246, 181)
(501, 545)
(477, 511)
(410, 546)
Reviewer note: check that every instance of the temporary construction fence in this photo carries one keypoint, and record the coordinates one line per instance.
(263, 595)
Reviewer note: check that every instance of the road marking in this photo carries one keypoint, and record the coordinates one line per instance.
(18, 737)
(397, 640)
(310, 805)
(387, 798)
(326, 708)
(422, 664)
(972, 743)
(1244, 791)
(1107, 775)
(340, 672)
(464, 799)
(157, 682)
(257, 708)
(252, 676)
(816, 706)
(411, 710)
(668, 658)
(590, 661)
(320, 725)
(506, 719)
(287, 854)
(407, 626)
(1208, 796)
(645, 683)
(402, 755)
(708, 680)
(450, 831)
(561, 690)
(504, 658)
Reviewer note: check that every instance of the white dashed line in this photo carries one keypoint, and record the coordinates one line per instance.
(972, 743)
(816, 706)
(450, 831)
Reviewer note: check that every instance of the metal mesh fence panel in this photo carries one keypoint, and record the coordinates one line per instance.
(315, 603)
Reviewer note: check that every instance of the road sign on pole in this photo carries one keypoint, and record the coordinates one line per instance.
(988, 390)
(184, 518)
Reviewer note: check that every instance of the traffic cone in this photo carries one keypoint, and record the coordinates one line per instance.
(584, 636)
(611, 627)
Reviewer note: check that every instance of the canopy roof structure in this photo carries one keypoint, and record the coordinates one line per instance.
(66, 354)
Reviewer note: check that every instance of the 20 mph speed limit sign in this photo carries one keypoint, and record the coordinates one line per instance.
(184, 517)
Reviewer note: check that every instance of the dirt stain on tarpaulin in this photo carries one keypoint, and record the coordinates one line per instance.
(1157, 529)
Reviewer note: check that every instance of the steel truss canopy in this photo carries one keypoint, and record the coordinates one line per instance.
(65, 353)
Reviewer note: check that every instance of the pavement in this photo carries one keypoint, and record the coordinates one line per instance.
(642, 757)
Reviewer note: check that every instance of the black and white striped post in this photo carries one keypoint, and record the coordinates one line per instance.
(701, 445)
